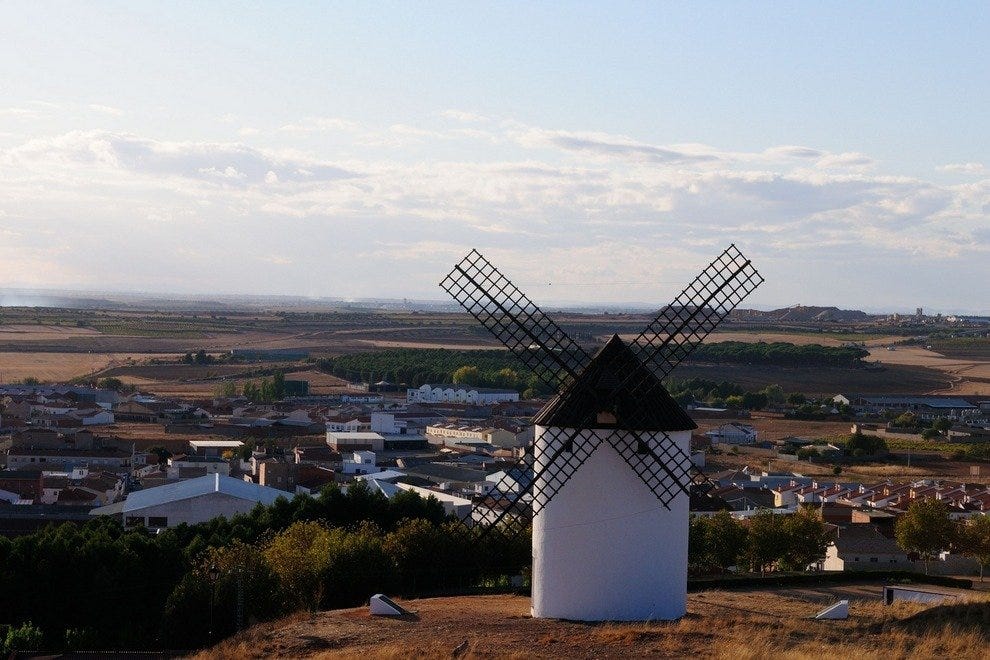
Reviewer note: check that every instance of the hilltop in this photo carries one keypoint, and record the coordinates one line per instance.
(741, 623)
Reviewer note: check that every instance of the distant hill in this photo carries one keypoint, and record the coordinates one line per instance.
(802, 314)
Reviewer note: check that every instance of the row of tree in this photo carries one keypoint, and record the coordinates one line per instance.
(780, 353)
(129, 589)
(417, 366)
(198, 357)
(767, 542)
(927, 529)
(414, 367)
(267, 390)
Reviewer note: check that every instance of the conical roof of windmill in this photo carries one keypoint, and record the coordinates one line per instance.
(616, 391)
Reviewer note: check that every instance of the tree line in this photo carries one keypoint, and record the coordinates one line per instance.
(100, 586)
(416, 366)
(780, 354)
(765, 542)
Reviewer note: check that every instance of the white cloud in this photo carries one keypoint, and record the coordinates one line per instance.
(320, 125)
(586, 207)
(465, 117)
(964, 168)
(105, 109)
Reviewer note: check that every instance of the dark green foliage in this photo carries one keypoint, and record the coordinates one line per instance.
(268, 390)
(26, 637)
(414, 367)
(111, 383)
(860, 444)
(780, 353)
(715, 543)
(134, 590)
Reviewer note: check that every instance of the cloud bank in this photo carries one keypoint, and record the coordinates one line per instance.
(386, 209)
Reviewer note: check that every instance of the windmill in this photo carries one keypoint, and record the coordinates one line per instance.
(610, 463)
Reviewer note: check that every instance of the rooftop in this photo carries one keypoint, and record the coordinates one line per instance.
(184, 490)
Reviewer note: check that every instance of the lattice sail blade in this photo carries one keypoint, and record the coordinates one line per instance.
(527, 487)
(515, 320)
(560, 453)
(697, 311)
(664, 467)
(507, 506)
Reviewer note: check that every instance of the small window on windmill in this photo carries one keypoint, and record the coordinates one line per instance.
(606, 417)
(568, 446)
(642, 446)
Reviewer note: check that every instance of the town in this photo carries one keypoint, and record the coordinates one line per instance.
(74, 451)
(531, 330)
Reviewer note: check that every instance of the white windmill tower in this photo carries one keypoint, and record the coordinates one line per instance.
(608, 501)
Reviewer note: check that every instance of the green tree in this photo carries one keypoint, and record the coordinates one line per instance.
(251, 391)
(227, 388)
(942, 424)
(774, 393)
(796, 399)
(161, 452)
(755, 400)
(766, 542)
(926, 529)
(866, 445)
(734, 401)
(26, 637)
(726, 540)
(974, 540)
(905, 420)
(300, 556)
(467, 375)
(278, 386)
(111, 383)
(698, 542)
(806, 540)
(505, 378)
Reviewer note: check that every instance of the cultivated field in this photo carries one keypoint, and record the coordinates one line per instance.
(59, 367)
(719, 624)
(32, 339)
(966, 376)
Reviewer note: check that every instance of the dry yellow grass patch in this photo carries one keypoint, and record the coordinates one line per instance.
(719, 624)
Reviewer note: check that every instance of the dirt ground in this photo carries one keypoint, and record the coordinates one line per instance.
(967, 376)
(719, 624)
(775, 428)
(59, 367)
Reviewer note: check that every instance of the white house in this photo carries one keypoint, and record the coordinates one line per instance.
(355, 441)
(347, 424)
(733, 433)
(863, 548)
(191, 501)
(214, 447)
(180, 465)
(362, 462)
(452, 393)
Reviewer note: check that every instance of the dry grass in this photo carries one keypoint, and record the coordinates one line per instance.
(725, 624)
(59, 367)
(969, 376)
(29, 332)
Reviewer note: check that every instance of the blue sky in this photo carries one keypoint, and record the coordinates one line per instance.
(351, 149)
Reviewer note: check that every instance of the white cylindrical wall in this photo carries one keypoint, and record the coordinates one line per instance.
(604, 548)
